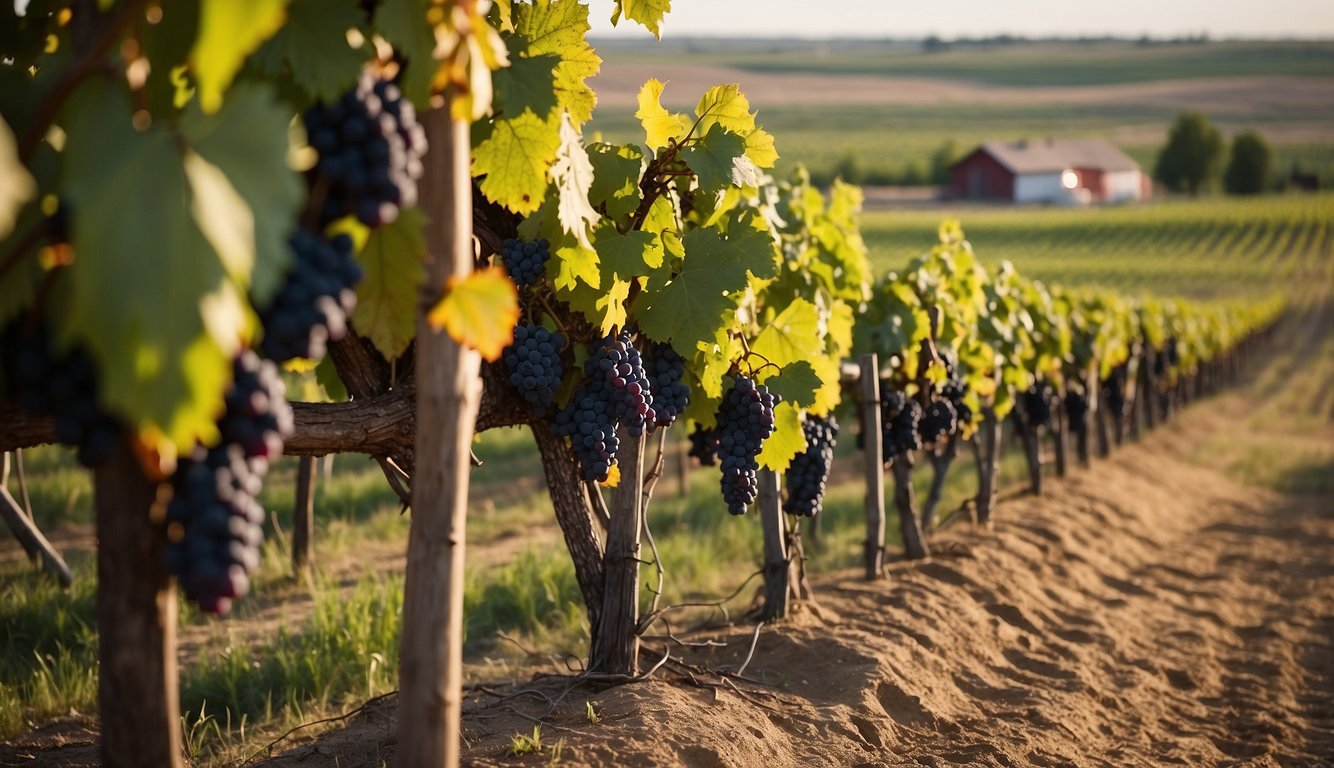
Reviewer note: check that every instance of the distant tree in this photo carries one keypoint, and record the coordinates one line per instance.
(941, 160)
(1190, 159)
(1249, 166)
(849, 168)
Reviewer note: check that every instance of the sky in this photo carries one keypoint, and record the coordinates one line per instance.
(956, 18)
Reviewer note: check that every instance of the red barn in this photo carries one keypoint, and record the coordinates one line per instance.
(1064, 171)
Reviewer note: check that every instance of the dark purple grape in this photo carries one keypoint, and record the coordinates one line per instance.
(808, 475)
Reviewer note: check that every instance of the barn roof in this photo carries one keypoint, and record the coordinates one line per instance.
(1054, 155)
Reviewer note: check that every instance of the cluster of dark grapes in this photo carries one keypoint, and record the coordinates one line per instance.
(703, 446)
(1114, 390)
(666, 374)
(938, 422)
(370, 149)
(315, 301)
(525, 262)
(616, 391)
(533, 361)
(745, 420)
(214, 523)
(955, 391)
(62, 385)
(808, 475)
(1076, 407)
(1039, 402)
(899, 419)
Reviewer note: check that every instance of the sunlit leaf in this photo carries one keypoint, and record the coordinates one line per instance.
(479, 311)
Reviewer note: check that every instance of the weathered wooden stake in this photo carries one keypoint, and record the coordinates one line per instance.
(777, 573)
(616, 645)
(869, 403)
(448, 391)
(34, 543)
(136, 622)
(303, 514)
(988, 448)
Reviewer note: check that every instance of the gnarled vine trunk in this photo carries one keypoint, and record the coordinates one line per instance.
(941, 459)
(987, 446)
(914, 544)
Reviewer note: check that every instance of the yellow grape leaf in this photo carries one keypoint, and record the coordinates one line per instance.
(479, 311)
(228, 33)
(659, 124)
(613, 477)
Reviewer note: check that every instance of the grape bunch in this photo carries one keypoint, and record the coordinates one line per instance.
(533, 361)
(808, 475)
(955, 391)
(370, 149)
(631, 394)
(1038, 402)
(703, 446)
(62, 385)
(315, 300)
(745, 420)
(525, 262)
(666, 371)
(214, 523)
(899, 417)
(1076, 407)
(589, 422)
(938, 422)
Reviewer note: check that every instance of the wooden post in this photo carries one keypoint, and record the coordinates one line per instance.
(1060, 435)
(914, 546)
(34, 543)
(1149, 385)
(680, 451)
(303, 514)
(22, 476)
(988, 448)
(136, 621)
(616, 644)
(1031, 440)
(448, 391)
(777, 574)
(869, 403)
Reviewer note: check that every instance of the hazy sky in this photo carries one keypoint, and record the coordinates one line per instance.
(951, 18)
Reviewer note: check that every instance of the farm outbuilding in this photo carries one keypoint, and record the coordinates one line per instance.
(1066, 171)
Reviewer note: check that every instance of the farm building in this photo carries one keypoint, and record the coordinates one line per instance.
(1066, 171)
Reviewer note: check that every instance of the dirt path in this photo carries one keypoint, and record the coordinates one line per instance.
(1147, 612)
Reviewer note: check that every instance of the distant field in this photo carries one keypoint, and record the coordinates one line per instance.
(882, 109)
(1214, 247)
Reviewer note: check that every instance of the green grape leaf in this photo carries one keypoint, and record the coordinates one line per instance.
(312, 47)
(649, 13)
(393, 261)
(660, 126)
(19, 186)
(403, 23)
(786, 442)
(247, 142)
(633, 254)
(561, 28)
(228, 33)
(791, 336)
(573, 263)
(603, 309)
(572, 176)
(515, 156)
(167, 45)
(326, 373)
(797, 383)
(689, 309)
(719, 159)
(616, 172)
(725, 105)
(528, 83)
(164, 356)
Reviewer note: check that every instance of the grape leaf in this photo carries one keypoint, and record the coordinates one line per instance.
(603, 309)
(719, 159)
(660, 126)
(327, 376)
(167, 45)
(572, 175)
(791, 336)
(312, 47)
(760, 149)
(247, 141)
(393, 263)
(616, 172)
(403, 23)
(786, 442)
(633, 254)
(797, 383)
(163, 356)
(19, 186)
(479, 311)
(727, 106)
(228, 33)
(528, 83)
(649, 13)
(561, 28)
(515, 156)
(572, 263)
